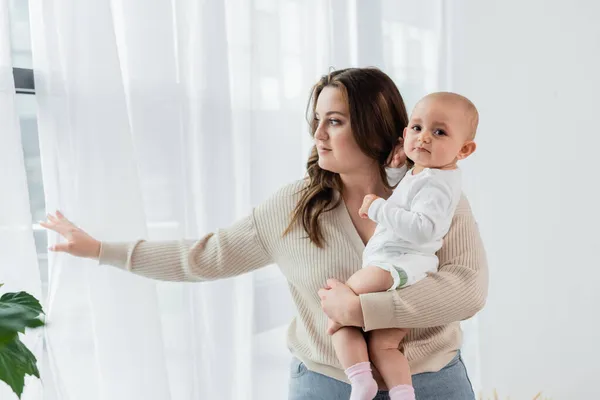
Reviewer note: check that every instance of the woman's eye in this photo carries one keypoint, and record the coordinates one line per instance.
(334, 122)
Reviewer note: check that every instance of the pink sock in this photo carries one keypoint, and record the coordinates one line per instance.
(402, 392)
(364, 386)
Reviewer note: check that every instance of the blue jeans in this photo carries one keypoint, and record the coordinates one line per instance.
(450, 383)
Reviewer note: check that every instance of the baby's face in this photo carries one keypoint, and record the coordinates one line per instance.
(437, 131)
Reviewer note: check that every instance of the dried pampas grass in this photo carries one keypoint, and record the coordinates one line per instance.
(496, 397)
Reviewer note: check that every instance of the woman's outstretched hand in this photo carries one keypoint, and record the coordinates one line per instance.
(78, 242)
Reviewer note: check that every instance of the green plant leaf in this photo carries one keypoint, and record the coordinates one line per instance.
(16, 361)
(17, 312)
(24, 299)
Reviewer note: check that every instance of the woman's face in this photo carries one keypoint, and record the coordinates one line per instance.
(337, 149)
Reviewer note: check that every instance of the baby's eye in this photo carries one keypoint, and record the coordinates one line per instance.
(439, 132)
(416, 128)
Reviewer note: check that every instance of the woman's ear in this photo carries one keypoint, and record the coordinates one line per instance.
(467, 149)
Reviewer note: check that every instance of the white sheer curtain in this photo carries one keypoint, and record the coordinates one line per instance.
(448, 60)
(18, 261)
(166, 119)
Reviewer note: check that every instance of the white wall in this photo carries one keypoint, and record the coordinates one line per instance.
(533, 69)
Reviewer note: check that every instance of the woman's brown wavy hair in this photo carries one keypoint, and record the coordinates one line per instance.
(377, 119)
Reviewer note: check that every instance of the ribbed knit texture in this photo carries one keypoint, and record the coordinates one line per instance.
(432, 308)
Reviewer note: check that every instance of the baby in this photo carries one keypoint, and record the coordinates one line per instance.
(410, 227)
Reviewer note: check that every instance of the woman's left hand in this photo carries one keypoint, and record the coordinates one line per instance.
(341, 304)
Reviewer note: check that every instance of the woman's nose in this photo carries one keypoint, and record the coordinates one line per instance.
(321, 133)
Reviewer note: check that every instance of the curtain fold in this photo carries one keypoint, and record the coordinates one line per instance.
(18, 261)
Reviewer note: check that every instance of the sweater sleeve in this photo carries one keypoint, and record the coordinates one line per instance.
(222, 254)
(455, 293)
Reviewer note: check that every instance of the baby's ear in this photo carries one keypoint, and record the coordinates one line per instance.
(467, 149)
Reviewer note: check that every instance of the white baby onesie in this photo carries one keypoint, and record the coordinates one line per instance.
(412, 223)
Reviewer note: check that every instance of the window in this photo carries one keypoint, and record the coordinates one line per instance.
(27, 112)
(161, 223)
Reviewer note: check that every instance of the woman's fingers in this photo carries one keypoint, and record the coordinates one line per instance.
(58, 217)
(61, 247)
(58, 228)
(61, 217)
(332, 282)
(48, 226)
(61, 227)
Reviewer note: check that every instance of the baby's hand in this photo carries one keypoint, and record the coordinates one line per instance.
(364, 209)
(397, 157)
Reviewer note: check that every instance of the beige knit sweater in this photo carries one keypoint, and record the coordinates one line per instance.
(432, 308)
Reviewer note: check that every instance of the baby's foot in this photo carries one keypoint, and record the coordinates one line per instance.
(364, 386)
(364, 390)
(402, 392)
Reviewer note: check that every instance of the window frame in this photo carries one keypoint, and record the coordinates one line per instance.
(24, 82)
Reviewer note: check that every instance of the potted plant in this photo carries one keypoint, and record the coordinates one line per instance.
(18, 311)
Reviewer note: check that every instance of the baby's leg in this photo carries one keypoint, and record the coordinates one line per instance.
(369, 279)
(390, 362)
(350, 346)
(349, 343)
(351, 349)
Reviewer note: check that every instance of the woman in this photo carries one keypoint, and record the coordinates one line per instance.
(312, 230)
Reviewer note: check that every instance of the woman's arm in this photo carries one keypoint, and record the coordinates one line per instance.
(456, 292)
(222, 254)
